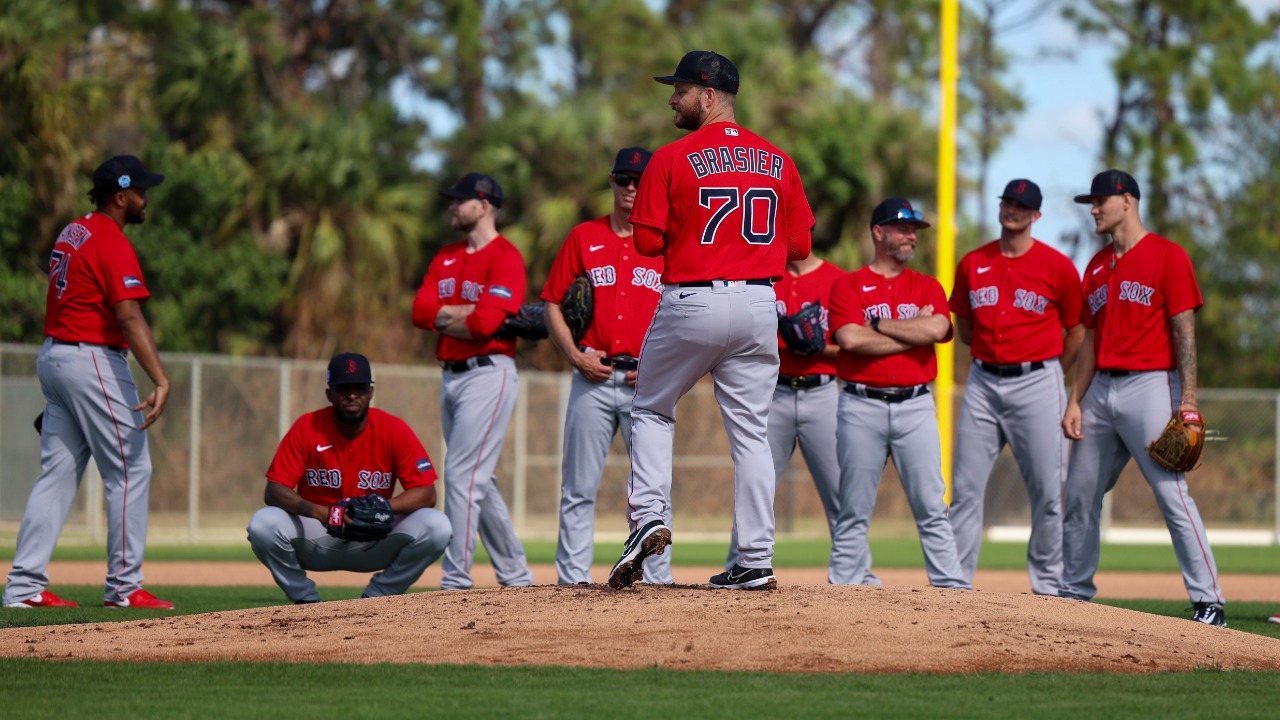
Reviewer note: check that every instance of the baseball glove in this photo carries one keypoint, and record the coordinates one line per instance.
(1178, 448)
(529, 323)
(364, 518)
(578, 306)
(802, 332)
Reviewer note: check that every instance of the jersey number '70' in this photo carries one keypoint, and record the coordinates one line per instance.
(734, 198)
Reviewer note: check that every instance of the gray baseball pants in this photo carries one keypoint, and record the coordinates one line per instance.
(870, 432)
(1121, 416)
(290, 545)
(596, 412)
(89, 399)
(730, 332)
(475, 408)
(807, 416)
(1026, 413)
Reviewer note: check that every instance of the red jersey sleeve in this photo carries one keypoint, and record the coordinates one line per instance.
(937, 297)
(959, 303)
(426, 304)
(289, 463)
(502, 296)
(799, 217)
(1070, 299)
(651, 204)
(846, 306)
(121, 273)
(1181, 290)
(412, 464)
(567, 266)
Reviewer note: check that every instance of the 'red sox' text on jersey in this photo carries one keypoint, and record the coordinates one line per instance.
(324, 467)
(728, 204)
(1018, 306)
(863, 294)
(492, 278)
(1128, 302)
(627, 285)
(91, 268)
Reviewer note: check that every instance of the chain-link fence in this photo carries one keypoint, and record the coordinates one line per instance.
(226, 415)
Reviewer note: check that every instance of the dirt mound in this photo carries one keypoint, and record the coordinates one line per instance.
(808, 628)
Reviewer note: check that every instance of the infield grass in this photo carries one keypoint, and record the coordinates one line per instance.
(246, 690)
(888, 553)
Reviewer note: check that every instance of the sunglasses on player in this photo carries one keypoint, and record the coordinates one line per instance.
(903, 214)
(623, 180)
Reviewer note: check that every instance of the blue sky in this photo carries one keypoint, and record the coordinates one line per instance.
(1057, 139)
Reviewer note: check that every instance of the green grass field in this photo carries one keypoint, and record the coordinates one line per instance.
(31, 688)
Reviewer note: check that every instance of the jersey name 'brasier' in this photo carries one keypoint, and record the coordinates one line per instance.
(726, 202)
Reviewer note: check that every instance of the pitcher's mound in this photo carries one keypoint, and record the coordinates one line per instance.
(815, 628)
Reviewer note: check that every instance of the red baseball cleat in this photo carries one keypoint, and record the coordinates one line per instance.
(43, 599)
(141, 600)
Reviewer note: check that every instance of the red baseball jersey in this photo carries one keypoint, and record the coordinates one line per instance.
(1018, 306)
(794, 293)
(493, 278)
(863, 294)
(92, 267)
(726, 202)
(325, 467)
(1128, 302)
(626, 284)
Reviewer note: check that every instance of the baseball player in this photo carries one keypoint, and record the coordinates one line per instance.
(886, 318)
(726, 210)
(1137, 367)
(93, 318)
(626, 287)
(343, 451)
(1014, 299)
(806, 398)
(471, 286)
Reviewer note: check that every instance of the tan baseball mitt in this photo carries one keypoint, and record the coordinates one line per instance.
(1178, 448)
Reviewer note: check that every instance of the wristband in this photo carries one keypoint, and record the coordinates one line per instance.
(875, 323)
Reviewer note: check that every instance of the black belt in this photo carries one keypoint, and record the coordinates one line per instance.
(621, 362)
(711, 283)
(1011, 370)
(889, 395)
(56, 341)
(461, 366)
(803, 382)
(1117, 373)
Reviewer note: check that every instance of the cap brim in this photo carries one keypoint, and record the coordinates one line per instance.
(1084, 199)
(451, 193)
(920, 224)
(673, 79)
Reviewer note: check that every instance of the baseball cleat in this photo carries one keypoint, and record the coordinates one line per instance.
(652, 539)
(1274, 619)
(140, 600)
(43, 599)
(1210, 614)
(742, 578)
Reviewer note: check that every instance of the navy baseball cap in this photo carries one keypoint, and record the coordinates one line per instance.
(1111, 182)
(476, 186)
(631, 159)
(1023, 191)
(897, 211)
(349, 369)
(124, 172)
(705, 68)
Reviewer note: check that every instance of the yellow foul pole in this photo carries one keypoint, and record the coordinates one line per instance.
(949, 73)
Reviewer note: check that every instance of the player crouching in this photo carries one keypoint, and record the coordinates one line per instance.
(328, 496)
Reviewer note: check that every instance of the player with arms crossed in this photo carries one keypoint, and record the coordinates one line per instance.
(726, 209)
(807, 397)
(93, 317)
(886, 318)
(471, 286)
(626, 287)
(331, 465)
(1137, 366)
(1013, 299)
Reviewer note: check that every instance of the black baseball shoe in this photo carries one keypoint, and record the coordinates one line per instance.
(652, 539)
(740, 578)
(1209, 614)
